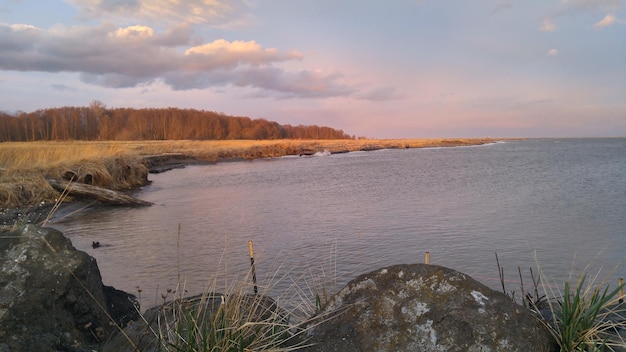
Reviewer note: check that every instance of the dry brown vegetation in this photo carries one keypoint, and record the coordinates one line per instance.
(24, 166)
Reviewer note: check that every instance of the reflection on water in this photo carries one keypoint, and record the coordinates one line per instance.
(352, 213)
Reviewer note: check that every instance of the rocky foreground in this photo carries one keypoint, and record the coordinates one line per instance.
(52, 299)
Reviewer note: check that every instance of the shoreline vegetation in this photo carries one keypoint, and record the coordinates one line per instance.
(583, 316)
(27, 167)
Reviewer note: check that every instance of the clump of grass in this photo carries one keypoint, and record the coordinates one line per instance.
(236, 320)
(219, 322)
(126, 172)
(25, 188)
(587, 317)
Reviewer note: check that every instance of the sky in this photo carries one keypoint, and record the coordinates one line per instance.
(373, 68)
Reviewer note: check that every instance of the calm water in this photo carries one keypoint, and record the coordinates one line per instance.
(563, 201)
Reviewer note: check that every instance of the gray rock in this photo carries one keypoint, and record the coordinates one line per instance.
(425, 308)
(51, 295)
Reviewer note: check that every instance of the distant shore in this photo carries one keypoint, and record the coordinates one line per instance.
(26, 167)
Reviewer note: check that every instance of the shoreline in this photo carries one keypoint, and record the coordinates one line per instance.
(162, 156)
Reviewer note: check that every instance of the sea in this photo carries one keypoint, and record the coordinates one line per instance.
(505, 213)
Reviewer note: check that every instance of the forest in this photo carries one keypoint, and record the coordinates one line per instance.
(97, 122)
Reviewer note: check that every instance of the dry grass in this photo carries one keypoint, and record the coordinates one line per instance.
(235, 320)
(29, 155)
(118, 165)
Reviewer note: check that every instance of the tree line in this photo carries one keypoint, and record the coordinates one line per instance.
(96, 122)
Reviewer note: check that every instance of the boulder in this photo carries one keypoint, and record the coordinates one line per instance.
(423, 307)
(51, 295)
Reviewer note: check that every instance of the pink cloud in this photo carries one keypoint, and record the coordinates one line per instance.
(605, 22)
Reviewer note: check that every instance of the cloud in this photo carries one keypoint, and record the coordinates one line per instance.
(229, 54)
(211, 12)
(547, 26)
(166, 51)
(17, 37)
(299, 84)
(176, 36)
(573, 6)
(552, 52)
(591, 7)
(503, 5)
(605, 22)
(137, 56)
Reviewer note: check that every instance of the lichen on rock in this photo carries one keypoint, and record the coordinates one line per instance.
(425, 308)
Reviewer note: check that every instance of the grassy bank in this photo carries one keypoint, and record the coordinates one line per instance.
(24, 166)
